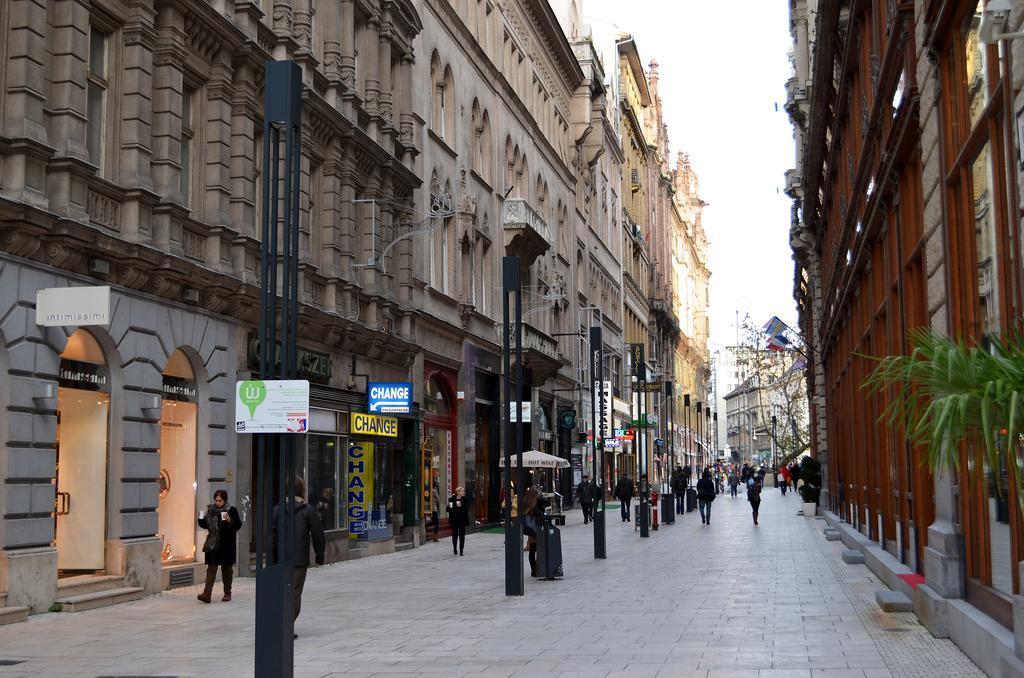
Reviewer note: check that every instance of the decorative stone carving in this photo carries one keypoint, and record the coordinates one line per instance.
(103, 211)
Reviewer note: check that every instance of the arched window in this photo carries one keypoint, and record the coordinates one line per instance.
(510, 166)
(476, 161)
(437, 94)
(448, 107)
(485, 146)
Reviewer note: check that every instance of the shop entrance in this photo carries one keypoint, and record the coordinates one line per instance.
(83, 414)
(178, 506)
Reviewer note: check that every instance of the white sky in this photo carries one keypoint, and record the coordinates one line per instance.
(723, 68)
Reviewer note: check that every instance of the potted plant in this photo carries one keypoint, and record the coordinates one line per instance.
(948, 394)
(810, 473)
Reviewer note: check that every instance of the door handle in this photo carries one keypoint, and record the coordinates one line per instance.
(63, 503)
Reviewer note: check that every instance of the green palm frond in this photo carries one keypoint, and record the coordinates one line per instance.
(947, 394)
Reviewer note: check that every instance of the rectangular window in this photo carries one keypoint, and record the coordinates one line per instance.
(96, 96)
(187, 137)
(322, 484)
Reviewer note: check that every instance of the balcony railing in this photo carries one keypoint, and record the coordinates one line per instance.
(527, 235)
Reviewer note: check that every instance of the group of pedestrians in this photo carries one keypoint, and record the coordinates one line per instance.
(222, 523)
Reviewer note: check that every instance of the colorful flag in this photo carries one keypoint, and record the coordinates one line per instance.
(777, 343)
(775, 327)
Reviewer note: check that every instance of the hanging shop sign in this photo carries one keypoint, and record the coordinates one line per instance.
(268, 406)
(610, 443)
(359, 488)
(545, 435)
(74, 306)
(83, 376)
(311, 365)
(374, 425)
(179, 389)
(389, 397)
(527, 408)
(567, 418)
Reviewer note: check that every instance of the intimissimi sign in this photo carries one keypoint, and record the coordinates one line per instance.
(83, 376)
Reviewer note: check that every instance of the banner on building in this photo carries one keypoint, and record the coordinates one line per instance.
(359, 488)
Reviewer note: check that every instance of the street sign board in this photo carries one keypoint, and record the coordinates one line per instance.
(650, 386)
(636, 353)
(73, 306)
(389, 397)
(272, 406)
(526, 411)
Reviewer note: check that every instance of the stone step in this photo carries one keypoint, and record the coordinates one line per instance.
(91, 601)
(893, 601)
(69, 587)
(11, 615)
(832, 534)
(853, 557)
(404, 546)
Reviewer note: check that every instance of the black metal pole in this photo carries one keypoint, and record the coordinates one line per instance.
(282, 126)
(689, 437)
(513, 536)
(714, 419)
(700, 437)
(669, 507)
(598, 417)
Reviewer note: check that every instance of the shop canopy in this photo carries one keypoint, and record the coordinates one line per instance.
(537, 459)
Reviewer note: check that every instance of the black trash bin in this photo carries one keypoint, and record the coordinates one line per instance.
(691, 499)
(549, 550)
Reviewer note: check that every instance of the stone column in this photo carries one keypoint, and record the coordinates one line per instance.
(168, 62)
(136, 117)
(244, 113)
(385, 98)
(369, 63)
(66, 184)
(24, 117)
(347, 27)
(215, 153)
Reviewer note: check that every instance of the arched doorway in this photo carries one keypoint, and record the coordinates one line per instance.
(83, 417)
(177, 480)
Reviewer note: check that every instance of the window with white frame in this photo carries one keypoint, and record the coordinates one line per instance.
(96, 97)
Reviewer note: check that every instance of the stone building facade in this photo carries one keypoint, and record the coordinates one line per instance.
(907, 215)
(438, 137)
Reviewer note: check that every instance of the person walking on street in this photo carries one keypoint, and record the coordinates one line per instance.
(705, 495)
(754, 497)
(458, 519)
(679, 490)
(794, 474)
(734, 481)
(624, 493)
(306, 530)
(533, 521)
(221, 522)
(784, 479)
(435, 511)
(586, 492)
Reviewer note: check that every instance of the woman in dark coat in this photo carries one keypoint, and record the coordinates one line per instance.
(533, 512)
(458, 519)
(222, 523)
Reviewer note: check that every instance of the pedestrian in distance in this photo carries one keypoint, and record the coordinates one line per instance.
(794, 474)
(533, 521)
(687, 476)
(221, 523)
(307, 530)
(706, 492)
(784, 479)
(458, 519)
(624, 493)
(734, 481)
(679, 489)
(754, 496)
(586, 493)
(435, 508)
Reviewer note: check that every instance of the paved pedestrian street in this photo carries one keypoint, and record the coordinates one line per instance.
(729, 600)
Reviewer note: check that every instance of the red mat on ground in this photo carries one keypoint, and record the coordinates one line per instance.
(913, 579)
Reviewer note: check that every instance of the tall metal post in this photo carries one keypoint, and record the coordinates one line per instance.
(598, 417)
(275, 454)
(512, 285)
(689, 437)
(640, 372)
(774, 444)
(707, 433)
(669, 507)
(714, 419)
(700, 437)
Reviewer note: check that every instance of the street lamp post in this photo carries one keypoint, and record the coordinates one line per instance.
(275, 453)
(599, 419)
(700, 436)
(640, 372)
(511, 277)
(669, 507)
(689, 437)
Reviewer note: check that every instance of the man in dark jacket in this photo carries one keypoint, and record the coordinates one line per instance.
(586, 492)
(679, 489)
(624, 493)
(306, 529)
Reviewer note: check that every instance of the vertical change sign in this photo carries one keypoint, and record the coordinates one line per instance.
(278, 406)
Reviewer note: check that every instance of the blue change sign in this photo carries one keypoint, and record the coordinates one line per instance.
(389, 397)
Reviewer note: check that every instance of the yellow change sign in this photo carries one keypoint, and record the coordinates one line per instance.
(374, 425)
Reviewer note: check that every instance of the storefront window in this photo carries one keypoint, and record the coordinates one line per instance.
(323, 488)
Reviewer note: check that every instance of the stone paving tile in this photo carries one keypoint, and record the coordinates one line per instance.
(731, 600)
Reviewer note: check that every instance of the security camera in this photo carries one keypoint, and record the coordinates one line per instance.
(993, 21)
